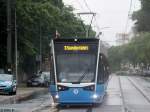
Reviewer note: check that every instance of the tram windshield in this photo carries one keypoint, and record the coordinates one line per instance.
(76, 68)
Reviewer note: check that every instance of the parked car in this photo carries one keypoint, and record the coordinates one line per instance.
(132, 72)
(39, 80)
(8, 84)
(122, 72)
(146, 73)
(35, 81)
(46, 76)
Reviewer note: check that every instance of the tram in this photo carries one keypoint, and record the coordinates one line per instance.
(79, 71)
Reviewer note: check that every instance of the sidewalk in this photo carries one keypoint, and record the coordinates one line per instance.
(23, 93)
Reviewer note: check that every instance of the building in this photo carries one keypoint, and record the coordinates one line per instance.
(122, 38)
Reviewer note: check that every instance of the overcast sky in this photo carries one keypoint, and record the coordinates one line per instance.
(110, 13)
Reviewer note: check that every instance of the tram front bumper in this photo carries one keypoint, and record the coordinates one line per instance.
(79, 101)
(81, 98)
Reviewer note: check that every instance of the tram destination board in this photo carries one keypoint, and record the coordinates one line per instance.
(76, 46)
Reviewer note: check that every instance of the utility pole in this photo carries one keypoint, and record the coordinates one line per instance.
(40, 47)
(16, 46)
(9, 34)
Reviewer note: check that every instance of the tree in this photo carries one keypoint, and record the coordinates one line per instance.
(142, 17)
(136, 51)
(43, 17)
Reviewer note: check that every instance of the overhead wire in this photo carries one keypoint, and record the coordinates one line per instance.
(80, 4)
(96, 22)
(95, 19)
(86, 4)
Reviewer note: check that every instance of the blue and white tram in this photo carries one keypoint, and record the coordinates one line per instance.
(79, 72)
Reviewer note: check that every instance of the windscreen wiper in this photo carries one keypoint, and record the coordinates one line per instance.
(83, 75)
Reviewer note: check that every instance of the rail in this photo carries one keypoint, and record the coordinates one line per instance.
(139, 89)
(124, 106)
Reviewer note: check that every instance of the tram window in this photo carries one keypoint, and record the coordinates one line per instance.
(100, 78)
(107, 72)
(104, 73)
(72, 67)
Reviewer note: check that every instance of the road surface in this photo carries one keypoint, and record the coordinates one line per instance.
(124, 94)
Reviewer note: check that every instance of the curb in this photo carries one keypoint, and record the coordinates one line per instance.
(21, 97)
(44, 106)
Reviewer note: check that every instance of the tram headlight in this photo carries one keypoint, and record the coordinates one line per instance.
(95, 96)
(62, 88)
(57, 96)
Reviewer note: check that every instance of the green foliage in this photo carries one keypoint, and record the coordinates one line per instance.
(137, 51)
(114, 58)
(142, 17)
(3, 34)
(45, 16)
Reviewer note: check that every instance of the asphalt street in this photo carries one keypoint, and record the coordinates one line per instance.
(124, 94)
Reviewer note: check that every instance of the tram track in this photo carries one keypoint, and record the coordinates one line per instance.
(89, 109)
(55, 108)
(139, 89)
(124, 106)
(59, 109)
(127, 106)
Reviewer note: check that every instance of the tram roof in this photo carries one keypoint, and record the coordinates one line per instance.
(76, 39)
